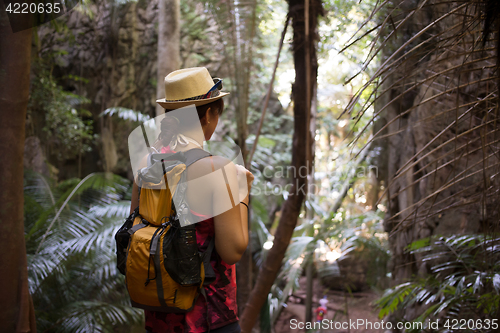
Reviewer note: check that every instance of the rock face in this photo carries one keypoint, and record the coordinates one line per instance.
(441, 155)
(34, 158)
(353, 271)
(440, 160)
(112, 48)
(361, 269)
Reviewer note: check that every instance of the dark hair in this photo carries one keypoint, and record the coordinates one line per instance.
(202, 109)
(215, 105)
(170, 125)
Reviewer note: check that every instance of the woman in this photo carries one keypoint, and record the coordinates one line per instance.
(227, 224)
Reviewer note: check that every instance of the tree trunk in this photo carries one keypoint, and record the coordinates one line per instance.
(309, 291)
(169, 36)
(17, 313)
(243, 21)
(302, 156)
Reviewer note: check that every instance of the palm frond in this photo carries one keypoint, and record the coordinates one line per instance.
(118, 209)
(99, 239)
(107, 182)
(95, 316)
(71, 255)
(464, 283)
(126, 114)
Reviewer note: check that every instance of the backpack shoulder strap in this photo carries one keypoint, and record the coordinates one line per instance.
(209, 271)
(194, 155)
(183, 211)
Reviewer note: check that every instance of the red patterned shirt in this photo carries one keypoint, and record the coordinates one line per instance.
(221, 295)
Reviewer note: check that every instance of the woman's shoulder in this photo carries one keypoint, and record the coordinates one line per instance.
(221, 162)
(218, 162)
(212, 174)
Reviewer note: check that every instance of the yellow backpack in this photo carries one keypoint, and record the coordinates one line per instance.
(156, 247)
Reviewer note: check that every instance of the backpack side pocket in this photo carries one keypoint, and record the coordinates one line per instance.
(181, 258)
(122, 238)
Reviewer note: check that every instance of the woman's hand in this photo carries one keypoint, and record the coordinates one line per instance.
(245, 179)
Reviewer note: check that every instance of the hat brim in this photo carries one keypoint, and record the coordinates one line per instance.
(176, 105)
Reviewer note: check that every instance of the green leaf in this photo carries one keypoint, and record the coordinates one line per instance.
(419, 244)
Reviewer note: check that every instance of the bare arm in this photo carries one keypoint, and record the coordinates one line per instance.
(231, 227)
(134, 202)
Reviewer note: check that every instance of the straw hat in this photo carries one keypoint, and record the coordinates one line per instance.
(190, 86)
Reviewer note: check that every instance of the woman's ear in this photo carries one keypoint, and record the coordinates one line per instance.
(208, 116)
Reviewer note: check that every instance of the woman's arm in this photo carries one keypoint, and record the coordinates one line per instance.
(134, 202)
(231, 227)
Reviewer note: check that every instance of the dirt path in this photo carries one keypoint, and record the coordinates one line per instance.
(343, 310)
